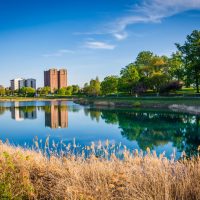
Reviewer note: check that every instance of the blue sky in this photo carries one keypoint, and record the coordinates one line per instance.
(88, 37)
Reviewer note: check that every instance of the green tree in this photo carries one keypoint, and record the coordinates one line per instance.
(144, 58)
(44, 91)
(147, 63)
(144, 63)
(69, 90)
(176, 66)
(62, 91)
(165, 66)
(159, 64)
(86, 88)
(191, 55)
(65, 91)
(129, 78)
(2, 91)
(158, 80)
(94, 88)
(27, 91)
(109, 85)
(76, 89)
(8, 92)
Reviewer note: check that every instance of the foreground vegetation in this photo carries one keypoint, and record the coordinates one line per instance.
(26, 174)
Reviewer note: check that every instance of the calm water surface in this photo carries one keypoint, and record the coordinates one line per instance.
(162, 131)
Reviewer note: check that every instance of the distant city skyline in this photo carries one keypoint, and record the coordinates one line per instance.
(91, 38)
(18, 83)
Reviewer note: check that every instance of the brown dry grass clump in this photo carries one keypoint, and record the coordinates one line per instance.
(25, 174)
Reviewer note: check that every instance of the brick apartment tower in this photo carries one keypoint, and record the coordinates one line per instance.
(62, 78)
(55, 79)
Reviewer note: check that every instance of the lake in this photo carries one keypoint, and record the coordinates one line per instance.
(160, 130)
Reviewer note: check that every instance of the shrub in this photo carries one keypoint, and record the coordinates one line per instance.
(171, 86)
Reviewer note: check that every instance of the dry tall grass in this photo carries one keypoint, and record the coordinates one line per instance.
(25, 174)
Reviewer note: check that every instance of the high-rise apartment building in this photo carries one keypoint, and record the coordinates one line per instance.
(22, 83)
(18, 83)
(30, 83)
(55, 79)
(62, 78)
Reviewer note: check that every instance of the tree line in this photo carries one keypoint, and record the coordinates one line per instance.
(150, 72)
(43, 91)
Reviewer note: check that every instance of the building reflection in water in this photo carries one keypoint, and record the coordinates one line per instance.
(56, 116)
(21, 113)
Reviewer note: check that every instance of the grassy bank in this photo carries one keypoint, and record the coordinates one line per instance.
(26, 174)
(123, 101)
(145, 102)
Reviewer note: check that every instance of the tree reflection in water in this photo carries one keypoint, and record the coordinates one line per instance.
(154, 128)
(2, 110)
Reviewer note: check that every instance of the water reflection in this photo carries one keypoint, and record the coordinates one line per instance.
(143, 128)
(21, 113)
(94, 114)
(151, 129)
(2, 110)
(56, 116)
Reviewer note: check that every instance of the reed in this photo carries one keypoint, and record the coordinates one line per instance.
(35, 174)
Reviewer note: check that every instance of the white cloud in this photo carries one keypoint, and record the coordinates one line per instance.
(99, 45)
(153, 11)
(146, 11)
(59, 53)
(120, 36)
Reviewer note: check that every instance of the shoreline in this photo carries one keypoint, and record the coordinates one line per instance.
(177, 104)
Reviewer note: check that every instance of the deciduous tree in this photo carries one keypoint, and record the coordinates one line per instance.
(191, 54)
(109, 85)
(129, 78)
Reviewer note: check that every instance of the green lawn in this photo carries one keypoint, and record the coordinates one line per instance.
(185, 96)
(186, 91)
